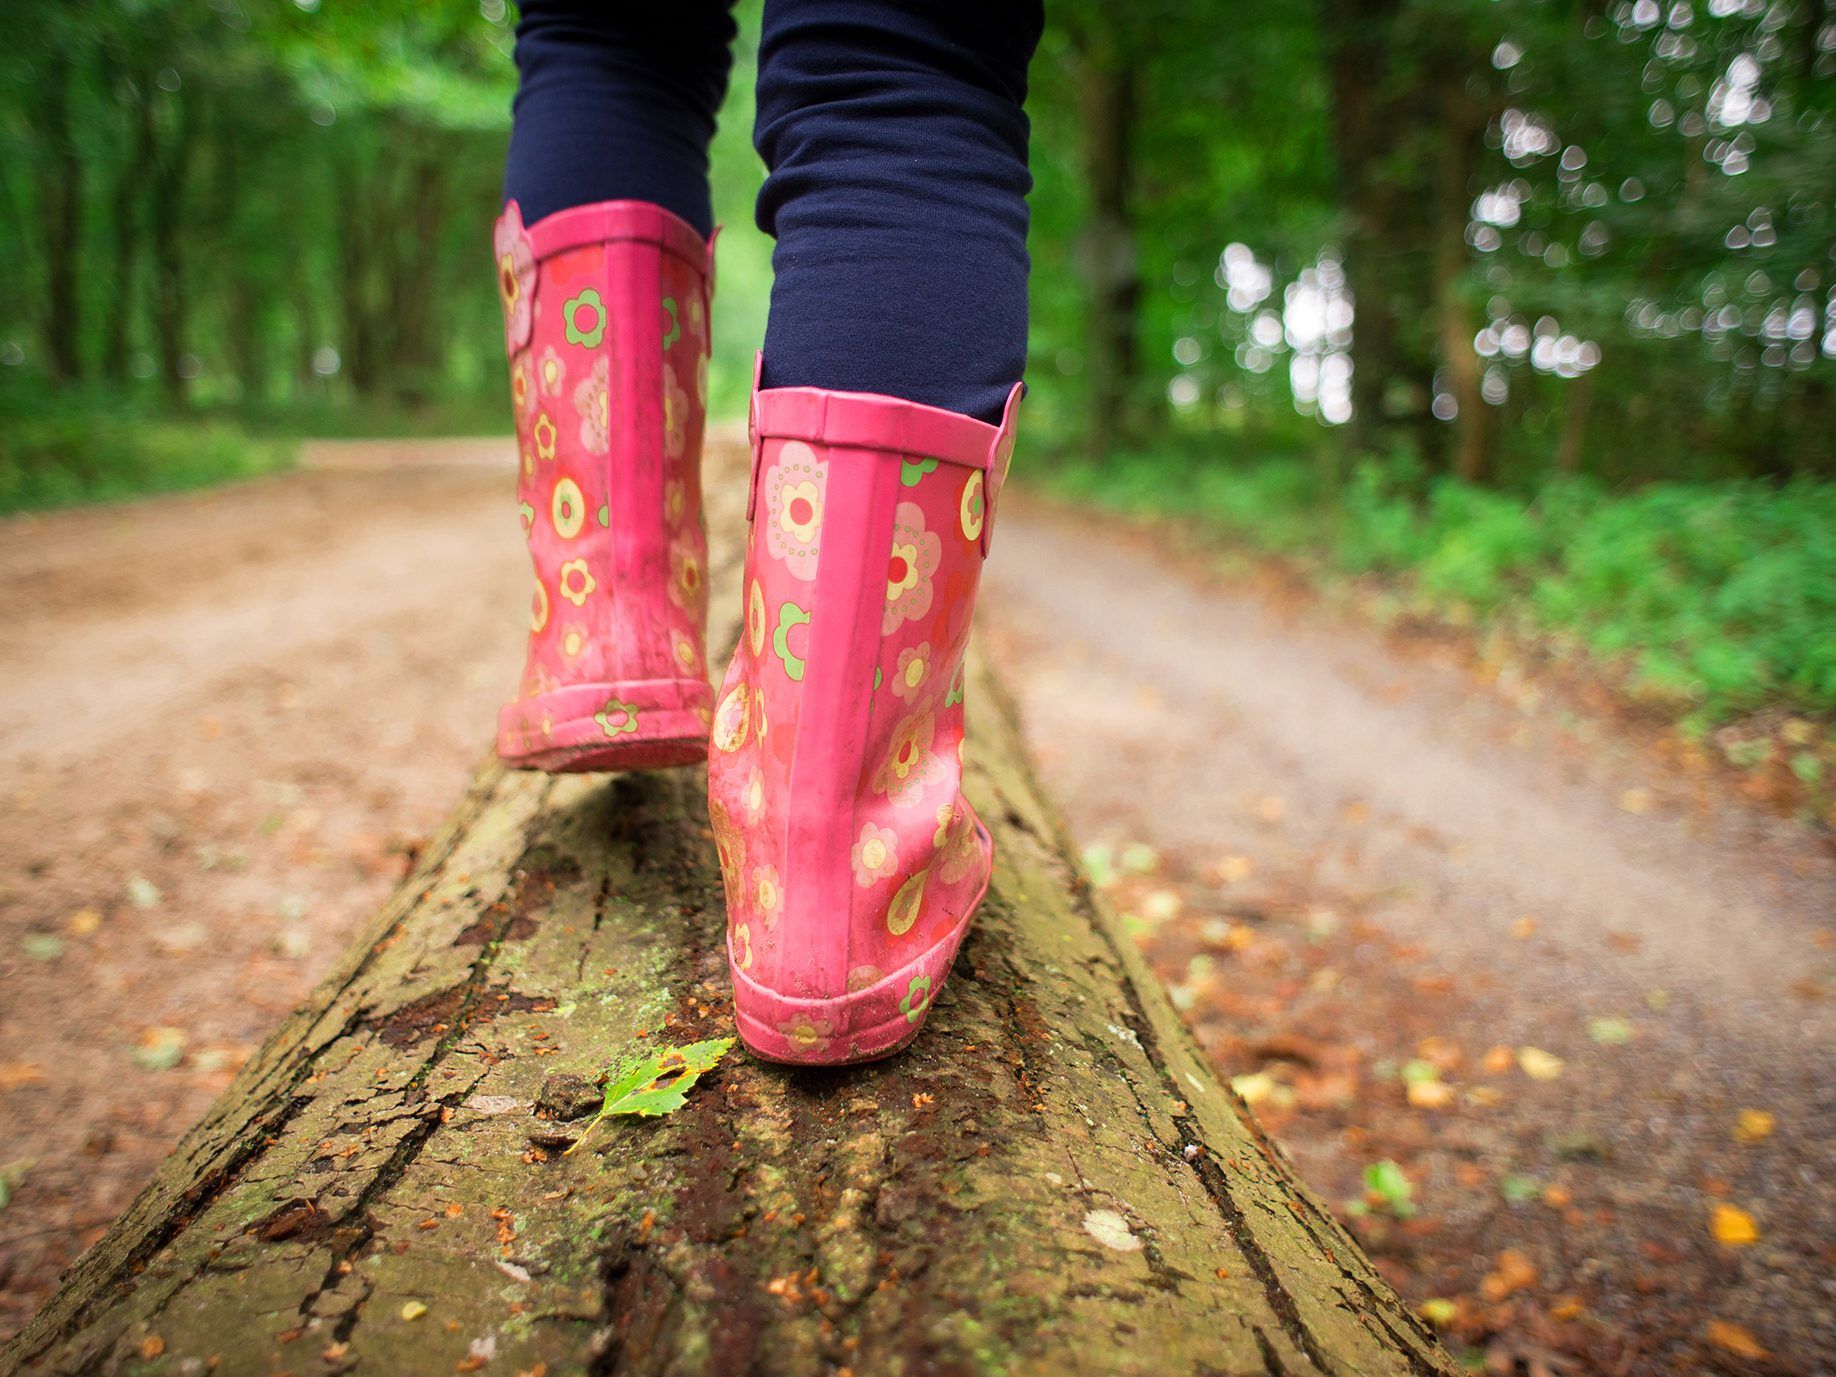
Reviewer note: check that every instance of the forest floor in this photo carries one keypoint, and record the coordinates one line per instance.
(1548, 1015)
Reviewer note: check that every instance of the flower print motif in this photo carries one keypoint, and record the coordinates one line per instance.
(768, 894)
(694, 318)
(729, 845)
(903, 911)
(584, 319)
(593, 400)
(567, 508)
(522, 390)
(616, 718)
(674, 332)
(758, 713)
(916, 553)
(864, 978)
(538, 608)
(573, 641)
(913, 671)
(790, 617)
(961, 851)
(701, 381)
(576, 581)
(795, 491)
(755, 618)
(917, 998)
(516, 275)
(912, 471)
(752, 798)
(551, 371)
(810, 1034)
(946, 819)
(973, 510)
(688, 659)
(955, 693)
(733, 718)
(539, 681)
(909, 765)
(544, 436)
(528, 515)
(675, 415)
(675, 501)
(685, 574)
(875, 854)
(742, 947)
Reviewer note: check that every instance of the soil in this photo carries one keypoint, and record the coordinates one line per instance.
(1427, 915)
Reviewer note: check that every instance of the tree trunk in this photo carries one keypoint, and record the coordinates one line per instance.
(1109, 101)
(1456, 322)
(138, 156)
(171, 171)
(60, 210)
(1050, 1181)
(1571, 446)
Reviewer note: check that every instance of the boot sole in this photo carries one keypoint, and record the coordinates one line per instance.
(559, 732)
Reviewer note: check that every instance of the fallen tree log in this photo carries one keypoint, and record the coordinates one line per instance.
(1050, 1180)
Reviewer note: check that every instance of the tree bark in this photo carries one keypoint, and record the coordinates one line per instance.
(170, 174)
(60, 199)
(1456, 319)
(1050, 1180)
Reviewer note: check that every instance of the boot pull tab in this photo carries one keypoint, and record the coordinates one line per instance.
(752, 434)
(1000, 457)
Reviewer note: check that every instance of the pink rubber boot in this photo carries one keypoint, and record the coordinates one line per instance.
(606, 322)
(852, 862)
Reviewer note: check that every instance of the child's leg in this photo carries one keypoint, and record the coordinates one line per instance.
(897, 147)
(616, 102)
(853, 863)
(602, 260)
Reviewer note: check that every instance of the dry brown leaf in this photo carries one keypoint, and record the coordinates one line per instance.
(1733, 1338)
(1753, 1125)
(1512, 1273)
(1733, 1227)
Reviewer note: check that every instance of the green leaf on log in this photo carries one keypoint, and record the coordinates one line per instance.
(658, 1084)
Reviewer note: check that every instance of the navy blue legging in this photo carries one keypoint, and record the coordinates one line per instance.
(895, 138)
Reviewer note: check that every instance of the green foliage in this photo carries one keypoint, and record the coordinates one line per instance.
(657, 1083)
(1718, 598)
(81, 451)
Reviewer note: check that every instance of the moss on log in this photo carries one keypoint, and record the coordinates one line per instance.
(1049, 1181)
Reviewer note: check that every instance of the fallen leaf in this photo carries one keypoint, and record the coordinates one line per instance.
(83, 923)
(1522, 928)
(1753, 1125)
(1512, 1272)
(1439, 1311)
(14, 1074)
(1568, 1308)
(413, 1310)
(160, 1049)
(1519, 1190)
(143, 892)
(151, 1347)
(1497, 1061)
(42, 946)
(1732, 1338)
(1539, 1065)
(1610, 1032)
(658, 1083)
(1557, 1196)
(1636, 801)
(1430, 1094)
(1733, 1227)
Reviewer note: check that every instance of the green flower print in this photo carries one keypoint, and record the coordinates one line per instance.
(790, 616)
(674, 332)
(911, 470)
(617, 718)
(586, 339)
(955, 694)
(917, 998)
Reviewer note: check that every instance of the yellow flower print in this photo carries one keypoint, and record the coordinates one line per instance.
(864, 978)
(576, 581)
(567, 508)
(687, 657)
(729, 845)
(811, 1035)
(742, 947)
(800, 513)
(753, 799)
(593, 403)
(758, 713)
(768, 894)
(916, 553)
(675, 500)
(573, 641)
(946, 819)
(538, 608)
(875, 855)
(909, 763)
(732, 718)
(544, 436)
(675, 415)
(755, 617)
(912, 671)
(685, 575)
(903, 911)
(961, 851)
(521, 391)
(974, 510)
(551, 371)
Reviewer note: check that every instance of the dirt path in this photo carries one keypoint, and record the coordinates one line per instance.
(224, 719)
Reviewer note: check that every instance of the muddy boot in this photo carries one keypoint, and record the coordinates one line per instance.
(852, 862)
(606, 322)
